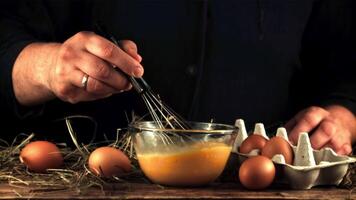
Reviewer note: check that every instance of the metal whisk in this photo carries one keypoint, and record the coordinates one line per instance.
(155, 104)
(161, 114)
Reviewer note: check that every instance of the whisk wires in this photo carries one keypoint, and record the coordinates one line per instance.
(161, 114)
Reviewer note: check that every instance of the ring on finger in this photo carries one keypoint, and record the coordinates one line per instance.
(85, 81)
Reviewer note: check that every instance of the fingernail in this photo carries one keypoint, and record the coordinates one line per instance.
(347, 149)
(138, 71)
(139, 58)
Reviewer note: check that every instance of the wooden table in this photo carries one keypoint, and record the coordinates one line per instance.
(151, 191)
(140, 188)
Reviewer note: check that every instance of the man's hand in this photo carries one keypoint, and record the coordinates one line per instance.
(333, 126)
(43, 71)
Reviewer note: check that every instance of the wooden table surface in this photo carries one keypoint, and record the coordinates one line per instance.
(141, 188)
(151, 191)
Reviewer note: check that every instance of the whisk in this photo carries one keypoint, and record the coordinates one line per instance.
(161, 114)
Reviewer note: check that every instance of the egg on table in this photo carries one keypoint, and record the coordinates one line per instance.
(39, 156)
(108, 161)
(257, 172)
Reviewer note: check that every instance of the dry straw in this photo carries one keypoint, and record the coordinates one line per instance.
(74, 175)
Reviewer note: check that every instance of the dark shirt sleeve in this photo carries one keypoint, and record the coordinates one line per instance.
(329, 55)
(14, 36)
(26, 21)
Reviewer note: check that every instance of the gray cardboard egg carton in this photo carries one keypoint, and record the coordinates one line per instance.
(310, 167)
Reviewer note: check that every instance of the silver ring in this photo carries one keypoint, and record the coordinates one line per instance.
(85, 81)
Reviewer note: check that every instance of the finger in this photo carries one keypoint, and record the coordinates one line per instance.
(293, 122)
(343, 148)
(77, 94)
(100, 70)
(82, 95)
(306, 121)
(335, 143)
(341, 152)
(324, 135)
(130, 48)
(346, 149)
(92, 97)
(290, 124)
(108, 51)
(97, 87)
(93, 86)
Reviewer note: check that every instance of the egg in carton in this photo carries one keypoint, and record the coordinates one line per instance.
(310, 167)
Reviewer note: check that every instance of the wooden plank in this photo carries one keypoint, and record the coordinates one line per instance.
(151, 191)
(139, 189)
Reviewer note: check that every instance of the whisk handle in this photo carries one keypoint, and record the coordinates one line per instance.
(139, 84)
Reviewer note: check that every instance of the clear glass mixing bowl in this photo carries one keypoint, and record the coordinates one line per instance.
(179, 157)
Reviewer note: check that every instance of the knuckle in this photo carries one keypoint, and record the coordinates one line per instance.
(129, 66)
(104, 48)
(315, 109)
(127, 85)
(309, 118)
(66, 52)
(67, 94)
(347, 148)
(94, 86)
(333, 120)
(73, 100)
(107, 50)
(101, 70)
(83, 34)
(125, 82)
(336, 144)
(328, 128)
(63, 91)
(333, 143)
(129, 44)
(318, 110)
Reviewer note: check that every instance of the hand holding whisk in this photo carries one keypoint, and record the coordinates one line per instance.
(161, 114)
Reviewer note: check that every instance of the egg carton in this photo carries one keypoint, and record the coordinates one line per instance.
(310, 167)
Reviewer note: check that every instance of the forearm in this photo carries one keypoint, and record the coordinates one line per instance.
(30, 72)
(44, 71)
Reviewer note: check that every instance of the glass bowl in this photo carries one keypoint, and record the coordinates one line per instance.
(178, 157)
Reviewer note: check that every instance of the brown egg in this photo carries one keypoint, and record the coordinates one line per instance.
(257, 172)
(252, 142)
(108, 162)
(41, 155)
(278, 145)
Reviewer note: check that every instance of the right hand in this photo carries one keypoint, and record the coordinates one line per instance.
(86, 53)
(332, 126)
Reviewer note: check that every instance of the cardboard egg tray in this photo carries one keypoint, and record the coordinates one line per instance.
(310, 167)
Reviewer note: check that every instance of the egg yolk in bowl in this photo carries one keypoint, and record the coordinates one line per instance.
(195, 165)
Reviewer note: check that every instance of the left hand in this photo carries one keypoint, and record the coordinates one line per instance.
(333, 126)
